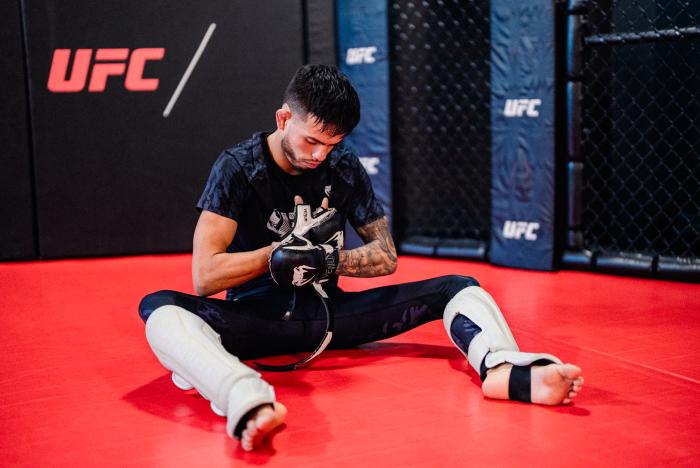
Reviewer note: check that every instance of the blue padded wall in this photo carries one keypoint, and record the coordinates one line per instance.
(364, 58)
(522, 120)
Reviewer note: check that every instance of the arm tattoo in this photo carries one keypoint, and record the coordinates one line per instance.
(377, 257)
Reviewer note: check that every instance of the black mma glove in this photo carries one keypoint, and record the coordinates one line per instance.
(310, 253)
(299, 263)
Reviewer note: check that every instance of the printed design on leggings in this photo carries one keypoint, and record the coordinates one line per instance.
(410, 318)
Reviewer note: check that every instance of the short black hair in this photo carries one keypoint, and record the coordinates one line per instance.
(325, 93)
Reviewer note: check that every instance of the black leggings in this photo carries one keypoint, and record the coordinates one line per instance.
(251, 326)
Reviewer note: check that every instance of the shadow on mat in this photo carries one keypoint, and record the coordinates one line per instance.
(369, 353)
(364, 355)
(161, 398)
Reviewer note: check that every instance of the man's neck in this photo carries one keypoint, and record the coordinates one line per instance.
(274, 142)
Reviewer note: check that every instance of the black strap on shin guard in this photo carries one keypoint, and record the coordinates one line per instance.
(519, 384)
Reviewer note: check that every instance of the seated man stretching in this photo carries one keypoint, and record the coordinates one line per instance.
(258, 237)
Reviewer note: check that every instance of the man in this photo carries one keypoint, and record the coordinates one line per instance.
(251, 236)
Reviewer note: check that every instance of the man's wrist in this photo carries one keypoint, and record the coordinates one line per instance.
(342, 259)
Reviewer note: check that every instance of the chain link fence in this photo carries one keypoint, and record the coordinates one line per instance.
(441, 135)
(640, 119)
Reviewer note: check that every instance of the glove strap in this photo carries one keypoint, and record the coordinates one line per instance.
(332, 258)
(321, 346)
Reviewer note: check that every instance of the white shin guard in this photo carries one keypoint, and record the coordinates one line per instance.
(494, 344)
(192, 350)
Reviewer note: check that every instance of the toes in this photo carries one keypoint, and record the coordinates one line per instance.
(570, 371)
(251, 429)
(246, 441)
(566, 401)
(262, 422)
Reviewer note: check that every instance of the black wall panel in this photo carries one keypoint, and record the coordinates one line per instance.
(17, 234)
(320, 28)
(113, 175)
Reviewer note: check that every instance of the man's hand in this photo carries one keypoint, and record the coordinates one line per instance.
(376, 258)
(310, 252)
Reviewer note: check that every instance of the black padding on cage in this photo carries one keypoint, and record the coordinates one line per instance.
(573, 120)
(577, 259)
(576, 6)
(574, 46)
(469, 249)
(625, 263)
(574, 238)
(627, 38)
(679, 268)
(419, 245)
(17, 232)
(574, 172)
(440, 101)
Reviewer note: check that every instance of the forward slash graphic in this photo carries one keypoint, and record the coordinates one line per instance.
(190, 68)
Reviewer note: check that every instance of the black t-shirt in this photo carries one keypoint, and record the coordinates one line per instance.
(247, 186)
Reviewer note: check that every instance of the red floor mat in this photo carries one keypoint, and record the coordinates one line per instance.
(80, 387)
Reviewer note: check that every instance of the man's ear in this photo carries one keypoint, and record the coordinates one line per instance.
(282, 116)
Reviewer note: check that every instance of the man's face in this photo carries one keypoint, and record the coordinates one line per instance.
(303, 143)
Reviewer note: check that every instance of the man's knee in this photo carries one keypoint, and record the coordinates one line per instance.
(154, 300)
(452, 284)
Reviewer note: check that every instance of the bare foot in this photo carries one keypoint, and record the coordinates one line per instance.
(553, 384)
(261, 423)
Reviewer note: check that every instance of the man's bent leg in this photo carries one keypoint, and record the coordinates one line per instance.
(477, 327)
(388, 311)
(192, 350)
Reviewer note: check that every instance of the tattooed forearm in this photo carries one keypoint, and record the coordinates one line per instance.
(376, 258)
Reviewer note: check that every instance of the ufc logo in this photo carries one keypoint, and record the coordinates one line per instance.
(516, 107)
(371, 164)
(518, 229)
(359, 55)
(107, 62)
